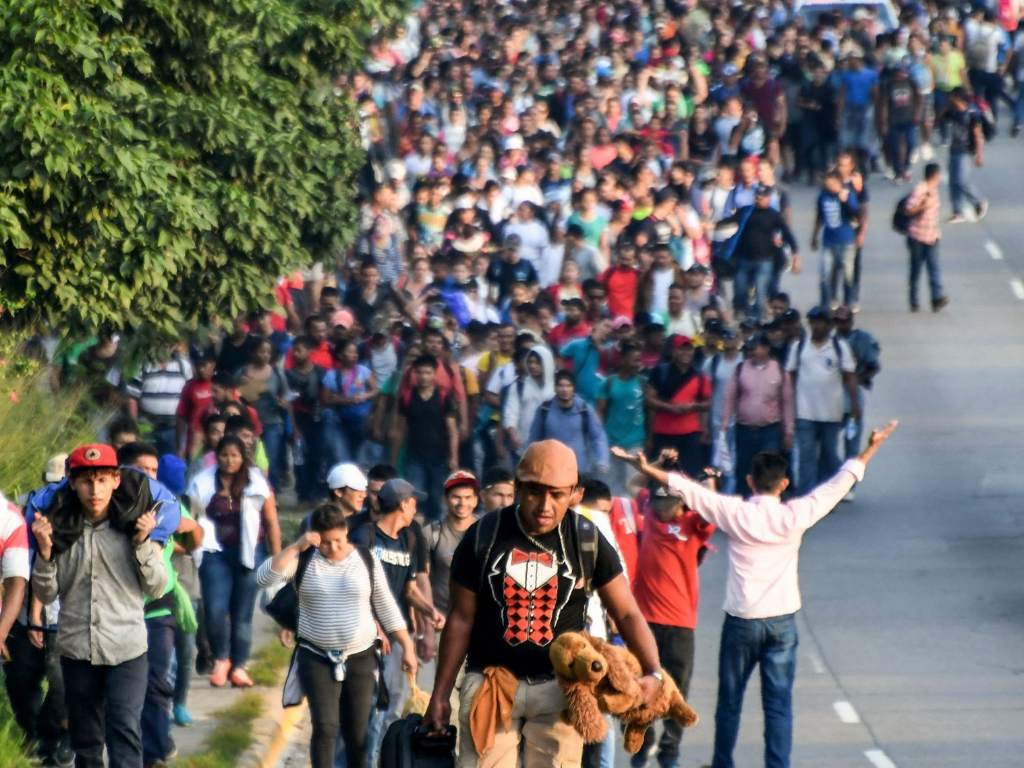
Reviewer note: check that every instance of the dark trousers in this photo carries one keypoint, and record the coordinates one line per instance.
(747, 643)
(693, 454)
(926, 256)
(675, 649)
(751, 441)
(310, 472)
(156, 712)
(104, 707)
(428, 476)
(41, 717)
(334, 705)
(229, 599)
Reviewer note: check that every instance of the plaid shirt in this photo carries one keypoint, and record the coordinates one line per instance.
(925, 226)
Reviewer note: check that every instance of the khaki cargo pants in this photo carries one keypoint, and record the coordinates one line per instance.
(547, 740)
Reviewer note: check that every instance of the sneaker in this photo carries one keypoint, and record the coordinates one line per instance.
(850, 496)
(914, 308)
(181, 716)
(915, 156)
(172, 749)
(981, 209)
(927, 152)
(956, 218)
(938, 304)
(62, 755)
(1015, 130)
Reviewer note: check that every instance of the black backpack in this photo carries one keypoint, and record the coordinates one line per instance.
(900, 217)
(408, 744)
(284, 607)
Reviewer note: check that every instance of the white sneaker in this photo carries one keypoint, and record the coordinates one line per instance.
(927, 152)
(915, 156)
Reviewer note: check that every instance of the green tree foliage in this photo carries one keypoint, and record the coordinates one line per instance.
(162, 161)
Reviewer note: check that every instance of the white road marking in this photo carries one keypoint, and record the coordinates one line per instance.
(816, 663)
(879, 759)
(994, 250)
(1018, 288)
(846, 713)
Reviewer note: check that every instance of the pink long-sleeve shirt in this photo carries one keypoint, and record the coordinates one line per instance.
(764, 539)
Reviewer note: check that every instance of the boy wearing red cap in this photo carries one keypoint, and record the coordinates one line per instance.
(95, 554)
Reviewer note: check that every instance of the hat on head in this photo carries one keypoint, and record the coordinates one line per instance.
(56, 468)
(515, 141)
(343, 318)
(346, 476)
(395, 491)
(763, 190)
(663, 493)
(790, 316)
(622, 322)
(678, 340)
(93, 456)
(549, 462)
(512, 241)
(729, 70)
(574, 301)
(819, 313)
(461, 477)
(749, 324)
(171, 471)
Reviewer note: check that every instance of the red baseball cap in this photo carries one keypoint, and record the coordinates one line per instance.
(93, 456)
(678, 340)
(461, 477)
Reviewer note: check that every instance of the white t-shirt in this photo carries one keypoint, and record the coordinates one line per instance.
(819, 384)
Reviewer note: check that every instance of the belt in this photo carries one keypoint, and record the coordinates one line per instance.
(758, 426)
(540, 679)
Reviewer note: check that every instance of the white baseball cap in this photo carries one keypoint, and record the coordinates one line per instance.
(346, 476)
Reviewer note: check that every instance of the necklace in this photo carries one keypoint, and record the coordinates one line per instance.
(542, 547)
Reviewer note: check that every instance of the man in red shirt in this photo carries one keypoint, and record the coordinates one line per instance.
(621, 282)
(667, 589)
(574, 326)
(679, 397)
(196, 399)
(316, 329)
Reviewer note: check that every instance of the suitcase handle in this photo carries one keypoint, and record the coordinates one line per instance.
(434, 742)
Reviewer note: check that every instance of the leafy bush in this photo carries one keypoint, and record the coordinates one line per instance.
(162, 161)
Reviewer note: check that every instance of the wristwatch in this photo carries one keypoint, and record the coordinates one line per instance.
(658, 674)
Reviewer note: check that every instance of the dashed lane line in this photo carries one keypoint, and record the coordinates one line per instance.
(846, 713)
(879, 759)
(994, 250)
(1017, 286)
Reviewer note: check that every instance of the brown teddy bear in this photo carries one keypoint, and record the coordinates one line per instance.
(613, 688)
(580, 668)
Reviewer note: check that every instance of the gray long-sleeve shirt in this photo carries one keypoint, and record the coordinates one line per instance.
(102, 581)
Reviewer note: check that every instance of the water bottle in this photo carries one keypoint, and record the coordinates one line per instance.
(298, 452)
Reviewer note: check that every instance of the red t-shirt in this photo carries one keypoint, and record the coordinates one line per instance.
(667, 586)
(195, 402)
(696, 388)
(561, 334)
(320, 356)
(621, 285)
(627, 524)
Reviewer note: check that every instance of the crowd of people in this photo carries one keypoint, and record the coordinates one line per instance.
(574, 231)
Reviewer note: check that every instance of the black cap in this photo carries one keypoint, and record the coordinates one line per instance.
(714, 325)
(792, 316)
(763, 190)
(749, 323)
(574, 301)
(395, 491)
(819, 313)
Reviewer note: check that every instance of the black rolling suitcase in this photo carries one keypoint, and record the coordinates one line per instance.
(407, 745)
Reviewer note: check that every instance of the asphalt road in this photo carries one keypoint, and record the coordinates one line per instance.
(912, 633)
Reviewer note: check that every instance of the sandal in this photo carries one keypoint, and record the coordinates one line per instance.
(219, 675)
(240, 678)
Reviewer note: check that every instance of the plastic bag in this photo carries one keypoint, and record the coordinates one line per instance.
(723, 459)
(418, 699)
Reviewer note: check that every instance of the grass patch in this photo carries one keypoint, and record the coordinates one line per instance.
(232, 736)
(12, 740)
(268, 662)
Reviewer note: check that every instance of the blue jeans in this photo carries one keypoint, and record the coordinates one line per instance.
(902, 140)
(164, 438)
(941, 100)
(428, 476)
(274, 444)
(756, 274)
(817, 445)
(924, 255)
(751, 441)
(745, 644)
(960, 186)
(156, 711)
(1018, 106)
(229, 599)
(852, 442)
(343, 438)
(184, 660)
(838, 260)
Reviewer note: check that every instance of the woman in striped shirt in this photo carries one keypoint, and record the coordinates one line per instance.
(340, 604)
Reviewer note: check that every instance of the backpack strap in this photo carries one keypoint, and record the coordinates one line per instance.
(300, 570)
(367, 557)
(483, 543)
(585, 533)
(585, 426)
(435, 536)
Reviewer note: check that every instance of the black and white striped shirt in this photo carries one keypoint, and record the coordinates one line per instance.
(335, 602)
(158, 387)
